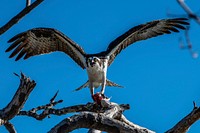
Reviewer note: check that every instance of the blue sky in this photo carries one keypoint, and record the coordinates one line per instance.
(161, 81)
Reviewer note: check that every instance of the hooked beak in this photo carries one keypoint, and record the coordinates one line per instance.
(92, 63)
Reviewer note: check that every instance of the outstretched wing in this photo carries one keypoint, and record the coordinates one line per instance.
(42, 41)
(142, 32)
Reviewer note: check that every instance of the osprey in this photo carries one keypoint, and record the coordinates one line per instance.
(39, 41)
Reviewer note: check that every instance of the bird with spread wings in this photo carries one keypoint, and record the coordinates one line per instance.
(39, 41)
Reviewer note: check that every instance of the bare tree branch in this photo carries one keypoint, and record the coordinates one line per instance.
(49, 110)
(16, 104)
(189, 11)
(183, 125)
(191, 15)
(107, 118)
(99, 121)
(9, 126)
(189, 44)
(19, 99)
(125, 120)
(111, 114)
(20, 15)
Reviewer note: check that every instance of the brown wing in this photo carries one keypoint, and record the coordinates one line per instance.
(142, 32)
(42, 41)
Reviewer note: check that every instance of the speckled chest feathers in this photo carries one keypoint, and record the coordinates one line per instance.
(96, 68)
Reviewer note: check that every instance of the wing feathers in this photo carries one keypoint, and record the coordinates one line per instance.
(14, 44)
(42, 41)
(21, 54)
(46, 40)
(16, 37)
(142, 32)
(17, 49)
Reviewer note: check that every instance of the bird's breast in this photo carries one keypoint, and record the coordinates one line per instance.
(95, 75)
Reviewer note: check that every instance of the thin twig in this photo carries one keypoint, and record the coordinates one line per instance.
(189, 11)
(53, 98)
(20, 15)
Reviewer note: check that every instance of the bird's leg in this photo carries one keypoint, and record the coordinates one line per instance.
(103, 85)
(96, 97)
(104, 78)
(92, 90)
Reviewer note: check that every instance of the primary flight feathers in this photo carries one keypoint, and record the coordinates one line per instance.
(45, 40)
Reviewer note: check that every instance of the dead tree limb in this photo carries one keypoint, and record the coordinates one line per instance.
(95, 121)
(183, 125)
(9, 126)
(189, 11)
(191, 15)
(20, 15)
(102, 118)
(107, 117)
(188, 45)
(49, 110)
(108, 120)
(16, 104)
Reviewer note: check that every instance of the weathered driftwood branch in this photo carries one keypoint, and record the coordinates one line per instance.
(95, 121)
(19, 99)
(114, 111)
(183, 125)
(20, 15)
(108, 120)
(125, 120)
(17, 102)
(49, 110)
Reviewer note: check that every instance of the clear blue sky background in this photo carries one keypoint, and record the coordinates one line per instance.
(161, 81)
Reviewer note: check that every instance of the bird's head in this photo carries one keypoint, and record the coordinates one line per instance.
(93, 61)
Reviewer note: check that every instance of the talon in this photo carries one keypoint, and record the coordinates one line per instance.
(97, 98)
(103, 96)
(101, 99)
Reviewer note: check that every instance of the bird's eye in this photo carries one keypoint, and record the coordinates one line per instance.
(95, 59)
